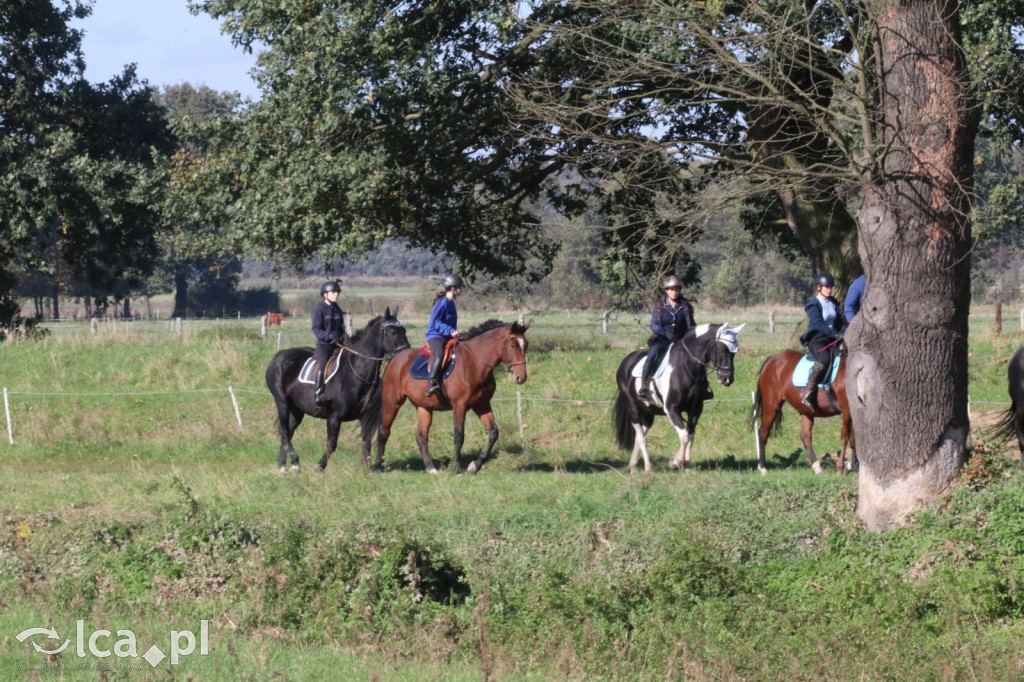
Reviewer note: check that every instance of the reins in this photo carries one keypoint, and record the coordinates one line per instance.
(704, 363)
(386, 357)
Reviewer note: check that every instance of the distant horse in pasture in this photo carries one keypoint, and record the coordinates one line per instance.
(775, 387)
(274, 318)
(352, 393)
(678, 388)
(469, 386)
(1012, 421)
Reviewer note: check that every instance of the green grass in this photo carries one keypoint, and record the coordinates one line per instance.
(132, 499)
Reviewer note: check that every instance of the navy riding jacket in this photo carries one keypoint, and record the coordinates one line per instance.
(328, 324)
(672, 322)
(817, 324)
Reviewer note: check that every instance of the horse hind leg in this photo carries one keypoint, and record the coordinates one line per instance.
(333, 428)
(640, 447)
(288, 420)
(682, 457)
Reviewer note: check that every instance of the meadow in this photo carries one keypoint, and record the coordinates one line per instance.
(132, 499)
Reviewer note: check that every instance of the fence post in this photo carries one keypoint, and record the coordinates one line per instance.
(94, 326)
(279, 340)
(7, 411)
(518, 411)
(238, 414)
(757, 440)
(1022, 319)
(263, 327)
(604, 322)
(177, 326)
(999, 318)
(771, 322)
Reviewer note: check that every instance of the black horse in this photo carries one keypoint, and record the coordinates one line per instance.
(353, 393)
(1012, 421)
(677, 390)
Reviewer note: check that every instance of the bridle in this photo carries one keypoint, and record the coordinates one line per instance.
(719, 370)
(388, 355)
(508, 365)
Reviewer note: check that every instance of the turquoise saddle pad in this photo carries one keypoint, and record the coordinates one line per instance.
(802, 371)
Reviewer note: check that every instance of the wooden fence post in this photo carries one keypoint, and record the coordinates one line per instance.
(999, 318)
(771, 322)
(604, 322)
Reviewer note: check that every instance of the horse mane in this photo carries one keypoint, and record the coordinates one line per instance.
(357, 337)
(481, 328)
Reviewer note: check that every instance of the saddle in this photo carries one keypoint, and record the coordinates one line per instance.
(307, 375)
(661, 361)
(802, 371)
(418, 370)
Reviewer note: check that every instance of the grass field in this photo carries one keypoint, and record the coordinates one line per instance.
(133, 500)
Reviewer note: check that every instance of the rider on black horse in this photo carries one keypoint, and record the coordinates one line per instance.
(671, 319)
(329, 329)
(824, 331)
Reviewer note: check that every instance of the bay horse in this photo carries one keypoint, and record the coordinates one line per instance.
(353, 392)
(1012, 421)
(775, 387)
(680, 388)
(470, 386)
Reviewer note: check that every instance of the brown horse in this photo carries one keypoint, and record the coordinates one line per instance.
(775, 387)
(470, 386)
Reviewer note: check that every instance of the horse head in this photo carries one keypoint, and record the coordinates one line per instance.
(726, 344)
(514, 351)
(392, 333)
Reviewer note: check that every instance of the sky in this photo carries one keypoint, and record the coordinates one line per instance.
(167, 44)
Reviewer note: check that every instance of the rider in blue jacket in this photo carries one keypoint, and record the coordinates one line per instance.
(329, 330)
(825, 326)
(441, 327)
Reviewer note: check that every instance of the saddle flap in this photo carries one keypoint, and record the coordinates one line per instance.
(307, 375)
(802, 371)
(449, 351)
(638, 368)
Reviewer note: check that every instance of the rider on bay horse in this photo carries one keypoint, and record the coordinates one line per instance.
(824, 331)
(442, 326)
(329, 330)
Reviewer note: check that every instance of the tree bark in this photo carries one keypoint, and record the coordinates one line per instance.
(907, 371)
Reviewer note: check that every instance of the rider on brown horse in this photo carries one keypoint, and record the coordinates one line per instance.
(824, 331)
(441, 327)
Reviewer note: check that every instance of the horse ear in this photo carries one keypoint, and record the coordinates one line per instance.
(739, 328)
(528, 323)
(387, 312)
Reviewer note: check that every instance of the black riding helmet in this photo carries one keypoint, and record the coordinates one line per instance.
(330, 286)
(452, 280)
(825, 280)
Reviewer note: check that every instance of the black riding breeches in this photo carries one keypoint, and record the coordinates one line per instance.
(323, 353)
(654, 352)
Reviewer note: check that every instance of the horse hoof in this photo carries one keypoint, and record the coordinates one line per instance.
(473, 467)
(762, 471)
(816, 467)
(282, 470)
(433, 471)
(295, 467)
(673, 465)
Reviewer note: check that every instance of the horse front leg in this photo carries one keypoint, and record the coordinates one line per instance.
(333, 428)
(390, 411)
(682, 456)
(487, 419)
(287, 421)
(806, 424)
(761, 432)
(424, 418)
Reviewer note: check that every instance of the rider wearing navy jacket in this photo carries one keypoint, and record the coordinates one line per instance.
(441, 327)
(671, 318)
(825, 328)
(329, 330)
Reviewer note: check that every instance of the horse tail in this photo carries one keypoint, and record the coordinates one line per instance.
(625, 434)
(1006, 427)
(757, 411)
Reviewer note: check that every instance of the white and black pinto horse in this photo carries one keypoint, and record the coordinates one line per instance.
(1012, 422)
(676, 389)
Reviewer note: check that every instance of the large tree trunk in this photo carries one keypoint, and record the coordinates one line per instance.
(907, 372)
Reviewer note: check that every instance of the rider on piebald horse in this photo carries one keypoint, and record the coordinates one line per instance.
(671, 318)
(442, 327)
(329, 330)
(824, 331)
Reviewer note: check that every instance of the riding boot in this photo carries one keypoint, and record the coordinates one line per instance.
(434, 370)
(809, 394)
(318, 387)
(645, 382)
